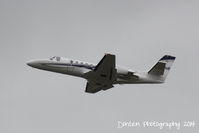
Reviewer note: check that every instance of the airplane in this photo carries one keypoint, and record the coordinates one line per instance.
(105, 74)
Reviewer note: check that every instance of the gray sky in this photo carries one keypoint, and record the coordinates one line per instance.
(138, 32)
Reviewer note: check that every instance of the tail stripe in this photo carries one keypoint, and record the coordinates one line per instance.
(167, 57)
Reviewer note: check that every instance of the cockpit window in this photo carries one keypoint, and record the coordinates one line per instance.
(58, 58)
(52, 58)
(55, 58)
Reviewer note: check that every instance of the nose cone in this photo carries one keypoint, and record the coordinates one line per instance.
(34, 64)
(30, 63)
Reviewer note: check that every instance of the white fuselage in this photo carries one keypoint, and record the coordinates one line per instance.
(79, 68)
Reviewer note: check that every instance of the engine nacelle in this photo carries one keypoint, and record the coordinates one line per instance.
(122, 71)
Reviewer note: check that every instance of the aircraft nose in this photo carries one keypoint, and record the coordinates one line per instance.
(32, 63)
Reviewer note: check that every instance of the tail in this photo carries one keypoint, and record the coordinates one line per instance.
(161, 69)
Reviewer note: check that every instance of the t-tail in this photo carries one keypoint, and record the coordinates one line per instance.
(161, 69)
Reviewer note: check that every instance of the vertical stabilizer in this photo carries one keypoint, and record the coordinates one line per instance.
(162, 67)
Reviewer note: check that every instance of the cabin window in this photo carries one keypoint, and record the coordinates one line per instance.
(57, 58)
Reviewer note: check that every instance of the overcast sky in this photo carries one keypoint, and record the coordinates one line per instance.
(138, 32)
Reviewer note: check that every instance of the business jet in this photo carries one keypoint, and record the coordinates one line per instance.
(105, 74)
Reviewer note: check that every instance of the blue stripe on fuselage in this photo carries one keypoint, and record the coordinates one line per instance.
(75, 65)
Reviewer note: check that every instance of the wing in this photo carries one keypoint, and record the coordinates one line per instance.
(93, 88)
(103, 76)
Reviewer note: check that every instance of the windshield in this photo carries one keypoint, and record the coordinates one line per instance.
(55, 58)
